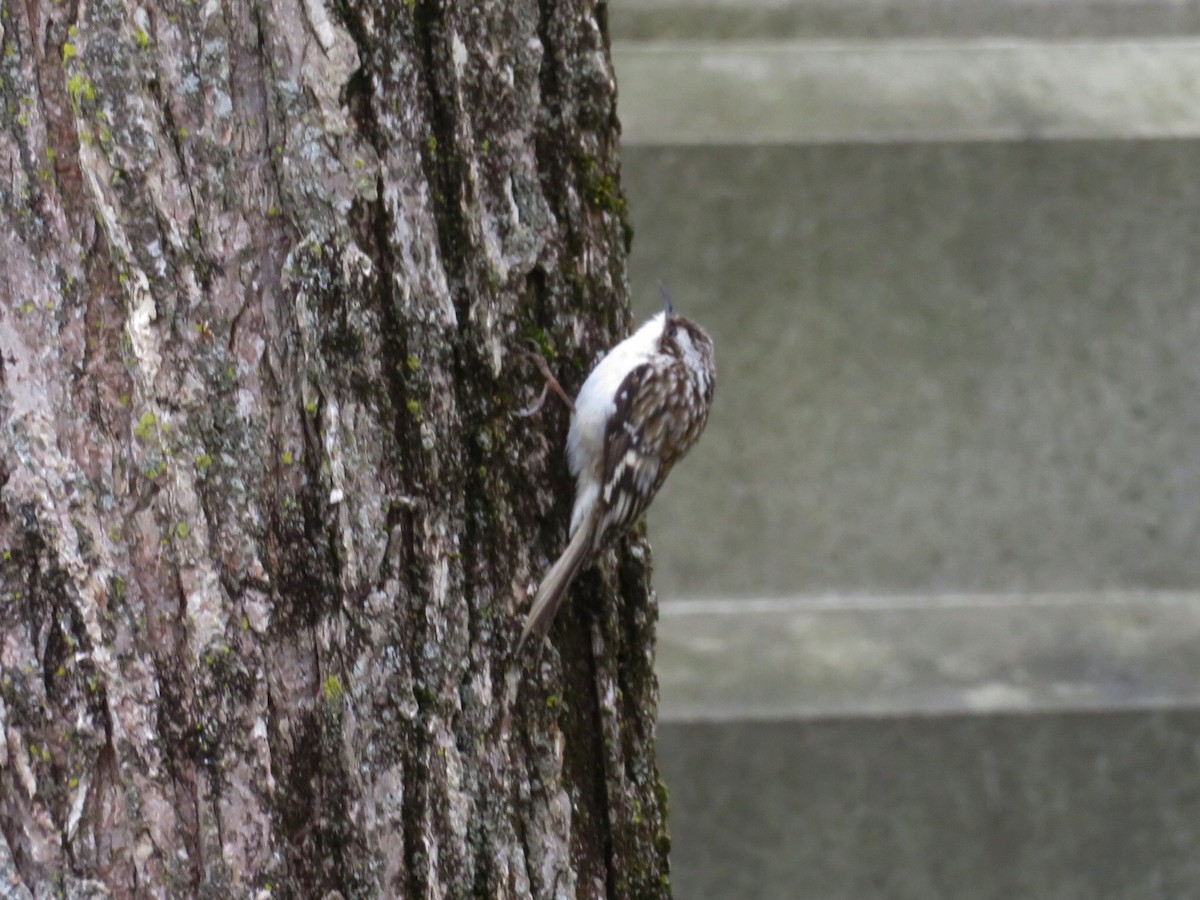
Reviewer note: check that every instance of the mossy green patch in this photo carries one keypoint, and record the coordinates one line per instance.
(602, 190)
(538, 336)
(333, 689)
(145, 426)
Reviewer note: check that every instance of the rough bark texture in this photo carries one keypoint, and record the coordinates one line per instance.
(271, 274)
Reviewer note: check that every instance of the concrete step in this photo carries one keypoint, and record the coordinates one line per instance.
(965, 367)
(1052, 806)
(889, 19)
(811, 657)
(911, 748)
(723, 92)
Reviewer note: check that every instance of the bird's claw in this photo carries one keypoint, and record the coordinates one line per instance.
(552, 384)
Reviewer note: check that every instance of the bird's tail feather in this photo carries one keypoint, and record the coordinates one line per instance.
(555, 584)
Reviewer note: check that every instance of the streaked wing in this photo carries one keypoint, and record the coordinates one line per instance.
(661, 409)
(632, 462)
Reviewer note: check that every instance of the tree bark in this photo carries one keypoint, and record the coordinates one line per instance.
(272, 275)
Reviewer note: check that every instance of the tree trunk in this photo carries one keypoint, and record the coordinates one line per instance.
(272, 277)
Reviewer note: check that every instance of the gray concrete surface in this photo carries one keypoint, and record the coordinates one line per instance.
(948, 252)
(889, 19)
(942, 367)
(800, 658)
(917, 90)
(1103, 806)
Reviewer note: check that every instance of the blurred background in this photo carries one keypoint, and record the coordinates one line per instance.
(930, 623)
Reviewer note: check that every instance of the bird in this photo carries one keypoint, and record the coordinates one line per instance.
(640, 410)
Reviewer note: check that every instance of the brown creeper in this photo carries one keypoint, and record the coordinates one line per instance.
(639, 411)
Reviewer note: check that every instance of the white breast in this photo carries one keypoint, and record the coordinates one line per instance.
(595, 405)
